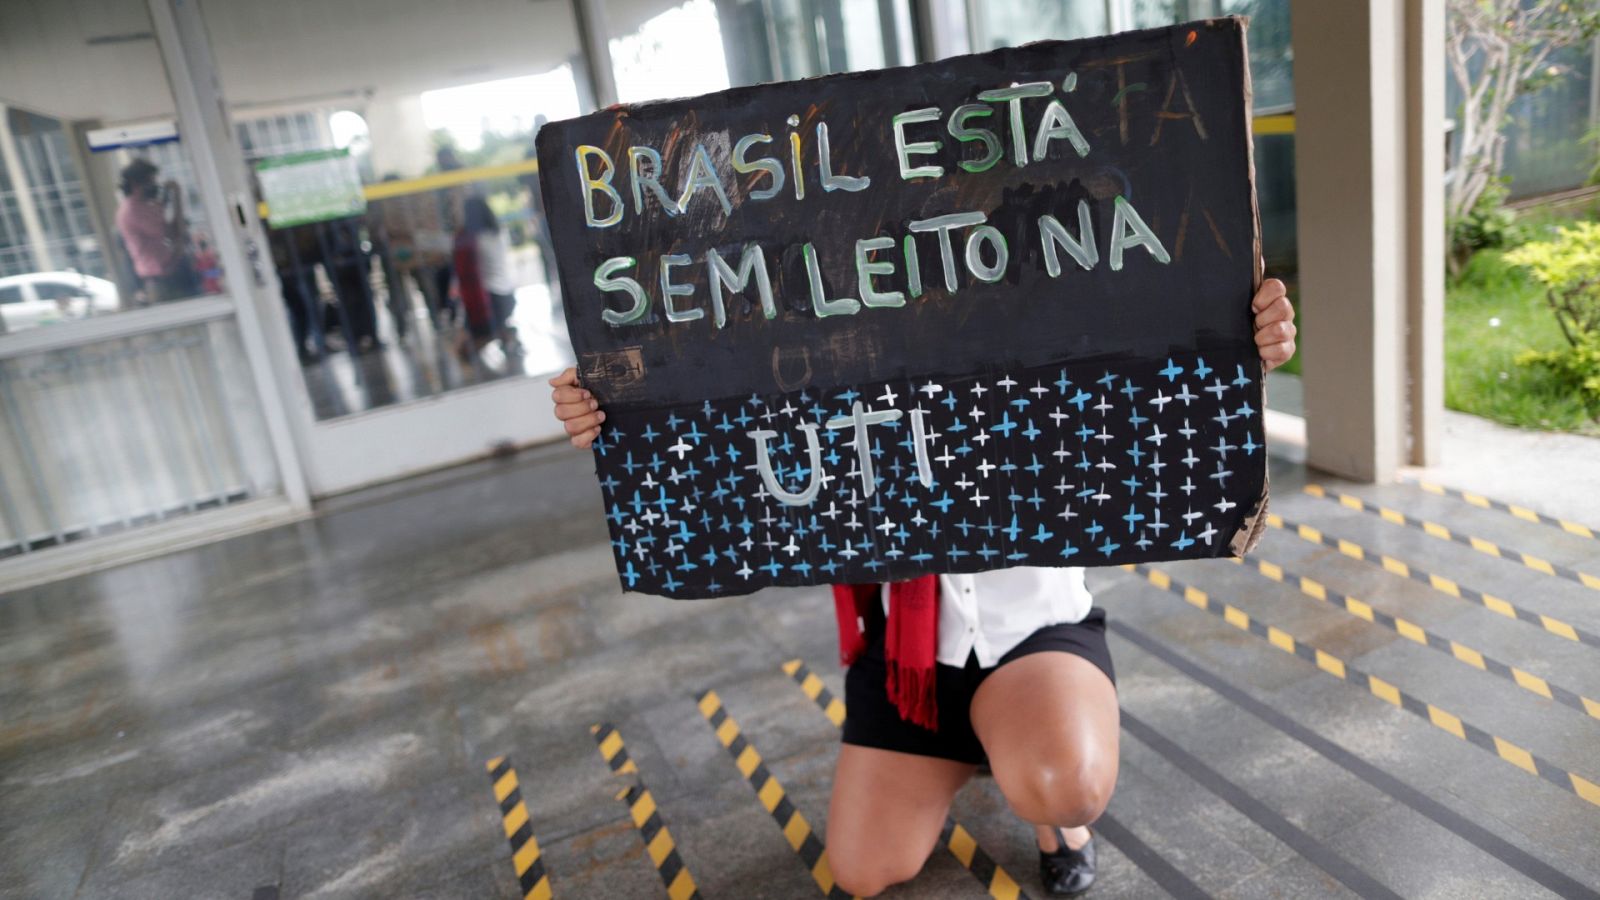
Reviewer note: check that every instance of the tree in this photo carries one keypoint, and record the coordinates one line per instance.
(1497, 51)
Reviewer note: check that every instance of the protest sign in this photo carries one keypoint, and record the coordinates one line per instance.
(991, 311)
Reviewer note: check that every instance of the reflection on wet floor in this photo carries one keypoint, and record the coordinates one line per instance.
(429, 360)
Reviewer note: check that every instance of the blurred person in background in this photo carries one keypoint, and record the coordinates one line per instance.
(150, 220)
(207, 266)
(482, 264)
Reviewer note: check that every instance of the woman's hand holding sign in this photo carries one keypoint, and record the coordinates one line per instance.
(577, 409)
(1274, 324)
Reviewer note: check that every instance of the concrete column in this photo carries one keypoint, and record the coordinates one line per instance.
(401, 143)
(942, 28)
(22, 189)
(1425, 100)
(1350, 164)
(1118, 16)
(595, 34)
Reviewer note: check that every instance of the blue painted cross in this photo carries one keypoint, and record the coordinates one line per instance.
(1133, 518)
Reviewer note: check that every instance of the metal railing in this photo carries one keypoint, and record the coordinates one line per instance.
(109, 436)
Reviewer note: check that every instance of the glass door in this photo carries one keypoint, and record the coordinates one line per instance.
(414, 303)
(129, 399)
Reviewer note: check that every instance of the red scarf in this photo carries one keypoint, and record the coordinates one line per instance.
(469, 281)
(910, 643)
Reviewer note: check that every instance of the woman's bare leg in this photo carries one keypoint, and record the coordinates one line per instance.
(886, 814)
(1049, 724)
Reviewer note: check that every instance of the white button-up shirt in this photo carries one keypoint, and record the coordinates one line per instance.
(989, 613)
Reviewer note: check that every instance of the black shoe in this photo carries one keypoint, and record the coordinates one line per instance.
(1067, 871)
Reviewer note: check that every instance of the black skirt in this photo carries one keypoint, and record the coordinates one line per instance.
(871, 719)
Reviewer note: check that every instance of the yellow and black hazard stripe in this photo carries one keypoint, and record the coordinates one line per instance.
(612, 749)
(1434, 529)
(796, 829)
(658, 843)
(812, 687)
(1518, 756)
(1439, 583)
(1520, 512)
(960, 842)
(964, 847)
(1411, 631)
(519, 831)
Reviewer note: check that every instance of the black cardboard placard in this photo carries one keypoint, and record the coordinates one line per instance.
(984, 312)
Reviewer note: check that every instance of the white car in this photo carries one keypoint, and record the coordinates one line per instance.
(45, 298)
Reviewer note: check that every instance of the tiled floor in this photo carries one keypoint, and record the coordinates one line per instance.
(308, 711)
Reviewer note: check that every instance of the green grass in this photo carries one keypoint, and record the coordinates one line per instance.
(1492, 313)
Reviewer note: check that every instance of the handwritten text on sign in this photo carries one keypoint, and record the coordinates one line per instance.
(825, 316)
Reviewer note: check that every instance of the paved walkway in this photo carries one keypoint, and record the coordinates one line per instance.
(1395, 696)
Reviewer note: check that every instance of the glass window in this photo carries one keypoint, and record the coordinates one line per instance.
(1271, 56)
(393, 153)
(1272, 83)
(676, 53)
(1009, 23)
(58, 291)
(666, 49)
(1545, 146)
(103, 437)
(96, 188)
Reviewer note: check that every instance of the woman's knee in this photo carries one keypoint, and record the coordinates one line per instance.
(885, 815)
(864, 873)
(1066, 793)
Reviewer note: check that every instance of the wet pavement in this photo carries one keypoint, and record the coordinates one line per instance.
(1367, 706)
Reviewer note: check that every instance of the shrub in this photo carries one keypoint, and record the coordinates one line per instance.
(1488, 224)
(1568, 267)
(1577, 367)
